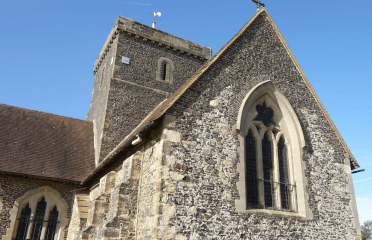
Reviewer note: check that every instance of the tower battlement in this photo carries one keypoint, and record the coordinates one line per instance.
(155, 36)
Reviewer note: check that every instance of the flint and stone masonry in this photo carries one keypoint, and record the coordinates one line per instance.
(131, 91)
(182, 178)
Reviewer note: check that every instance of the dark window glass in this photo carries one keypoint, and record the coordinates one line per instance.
(267, 171)
(39, 220)
(24, 220)
(283, 170)
(164, 71)
(52, 224)
(250, 171)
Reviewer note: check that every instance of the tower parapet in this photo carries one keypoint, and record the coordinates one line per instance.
(137, 68)
(147, 33)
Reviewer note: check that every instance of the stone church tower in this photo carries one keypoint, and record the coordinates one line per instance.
(137, 68)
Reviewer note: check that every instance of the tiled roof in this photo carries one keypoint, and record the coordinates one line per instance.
(168, 103)
(41, 144)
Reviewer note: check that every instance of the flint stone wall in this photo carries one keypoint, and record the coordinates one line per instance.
(205, 209)
(97, 110)
(134, 89)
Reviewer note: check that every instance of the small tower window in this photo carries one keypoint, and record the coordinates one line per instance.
(165, 70)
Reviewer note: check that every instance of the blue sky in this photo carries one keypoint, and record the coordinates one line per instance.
(48, 49)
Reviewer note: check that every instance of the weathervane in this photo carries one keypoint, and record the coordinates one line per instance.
(259, 4)
(156, 14)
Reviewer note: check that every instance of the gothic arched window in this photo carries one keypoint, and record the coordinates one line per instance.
(52, 224)
(267, 176)
(23, 223)
(43, 217)
(271, 173)
(38, 220)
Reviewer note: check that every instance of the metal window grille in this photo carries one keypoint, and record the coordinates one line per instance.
(39, 220)
(24, 221)
(288, 191)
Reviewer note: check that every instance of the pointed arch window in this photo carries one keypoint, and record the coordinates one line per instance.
(271, 173)
(23, 223)
(38, 220)
(266, 164)
(44, 223)
(52, 224)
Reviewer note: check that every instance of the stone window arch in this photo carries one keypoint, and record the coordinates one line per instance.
(38, 214)
(271, 171)
(165, 70)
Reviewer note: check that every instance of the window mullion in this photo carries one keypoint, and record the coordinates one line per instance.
(260, 177)
(276, 187)
(43, 230)
(31, 224)
(291, 180)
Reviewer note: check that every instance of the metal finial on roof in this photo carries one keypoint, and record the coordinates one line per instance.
(259, 4)
(156, 14)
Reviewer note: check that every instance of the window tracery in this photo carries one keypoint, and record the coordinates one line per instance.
(40, 214)
(271, 175)
(271, 187)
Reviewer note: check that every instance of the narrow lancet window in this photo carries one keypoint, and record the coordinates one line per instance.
(52, 224)
(164, 71)
(267, 171)
(39, 220)
(251, 171)
(283, 170)
(24, 221)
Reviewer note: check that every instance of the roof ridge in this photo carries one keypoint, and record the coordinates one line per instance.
(41, 112)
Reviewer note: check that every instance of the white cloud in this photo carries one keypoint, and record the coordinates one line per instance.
(363, 180)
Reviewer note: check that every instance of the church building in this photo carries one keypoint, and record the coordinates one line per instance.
(180, 144)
